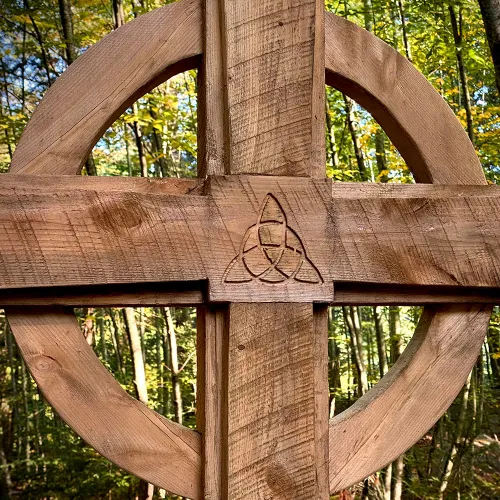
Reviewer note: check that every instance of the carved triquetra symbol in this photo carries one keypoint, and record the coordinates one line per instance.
(271, 251)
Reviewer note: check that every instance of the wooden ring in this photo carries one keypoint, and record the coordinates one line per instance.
(420, 124)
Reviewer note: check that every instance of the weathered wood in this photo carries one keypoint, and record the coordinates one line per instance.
(273, 55)
(437, 150)
(273, 404)
(75, 382)
(180, 294)
(398, 104)
(385, 235)
(211, 407)
(212, 322)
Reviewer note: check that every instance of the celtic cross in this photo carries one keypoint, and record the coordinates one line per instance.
(261, 243)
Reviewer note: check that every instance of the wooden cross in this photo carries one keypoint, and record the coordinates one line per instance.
(261, 243)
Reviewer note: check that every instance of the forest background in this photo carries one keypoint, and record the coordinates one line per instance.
(151, 350)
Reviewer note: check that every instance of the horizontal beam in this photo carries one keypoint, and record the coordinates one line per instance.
(68, 240)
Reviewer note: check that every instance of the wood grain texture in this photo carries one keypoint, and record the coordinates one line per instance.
(85, 237)
(273, 400)
(213, 144)
(277, 411)
(91, 401)
(253, 238)
(212, 322)
(274, 71)
(180, 295)
(211, 407)
(76, 111)
(431, 141)
(177, 294)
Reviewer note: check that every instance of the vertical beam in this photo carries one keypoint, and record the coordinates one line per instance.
(212, 398)
(212, 322)
(262, 97)
(278, 402)
(274, 53)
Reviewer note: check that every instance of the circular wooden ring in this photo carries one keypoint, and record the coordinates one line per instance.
(392, 416)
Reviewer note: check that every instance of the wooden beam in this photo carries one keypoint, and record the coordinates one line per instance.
(273, 448)
(177, 294)
(77, 232)
(277, 425)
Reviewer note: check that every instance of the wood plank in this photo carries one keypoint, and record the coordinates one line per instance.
(386, 235)
(85, 237)
(274, 404)
(212, 322)
(212, 345)
(158, 294)
(136, 295)
(75, 382)
(138, 185)
(273, 54)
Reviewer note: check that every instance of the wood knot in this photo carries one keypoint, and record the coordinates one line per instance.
(120, 215)
(43, 363)
(280, 481)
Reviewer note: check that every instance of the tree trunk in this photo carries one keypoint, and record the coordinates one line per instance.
(351, 123)
(118, 14)
(138, 136)
(67, 30)
(459, 434)
(335, 368)
(490, 10)
(398, 467)
(380, 155)
(379, 332)
(116, 342)
(388, 482)
(457, 37)
(174, 365)
(493, 344)
(368, 15)
(146, 490)
(137, 358)
(352, 320)
(396, 349)
(332, 147)
(406, 42)
(38, 37)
